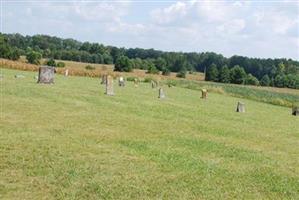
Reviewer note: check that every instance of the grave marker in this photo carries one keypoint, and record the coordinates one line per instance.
(161, 94)
(295, 111)
(204, 93)
(46, 74)
(240, 107)
(66, 72)
(121, 82)
(109, 85)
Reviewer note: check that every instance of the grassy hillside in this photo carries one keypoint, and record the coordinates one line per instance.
(70, 141)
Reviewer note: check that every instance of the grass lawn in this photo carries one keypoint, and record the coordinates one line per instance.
(70, 141)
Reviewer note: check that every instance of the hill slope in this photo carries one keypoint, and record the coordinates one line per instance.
(69, 140)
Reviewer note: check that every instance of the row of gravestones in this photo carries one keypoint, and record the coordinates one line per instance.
(46, 75)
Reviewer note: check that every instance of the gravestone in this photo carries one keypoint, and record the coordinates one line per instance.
(66, 72)
(19, 76)
(204, 93)
(135, 82)
(109, 85)
(154, 84)
(121, 81)
(161, 94)
(103, 79)
(240, 107)
(295, 111)
(46, 74)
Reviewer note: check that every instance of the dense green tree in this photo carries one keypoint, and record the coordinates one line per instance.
(212, 73)
(265, 81)
(224, 74)
(251, 80)
(123, 64)
(33, 57)
(237, 75)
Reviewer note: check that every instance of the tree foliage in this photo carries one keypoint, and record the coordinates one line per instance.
(281, 72)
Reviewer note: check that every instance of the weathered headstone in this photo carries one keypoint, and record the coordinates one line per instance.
(46, 74)
(204, 93)
(103, 79)
(240, 107)
(135, 82)
(154, 84)
(121, 81)
(66, 72)
(295, 111)
(109, 86)
(19, 76)
(161, 94)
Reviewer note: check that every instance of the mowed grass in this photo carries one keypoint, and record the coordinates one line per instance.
(70, 141)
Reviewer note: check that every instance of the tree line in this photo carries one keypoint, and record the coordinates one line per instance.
(236, 69)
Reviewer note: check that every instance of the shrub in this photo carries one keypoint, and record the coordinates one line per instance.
(33, 57)
(51, 62)
(251, 80)
(181, 74)
(148, 79)
(165, 72)
(89, 67)
(60, 64)
(131, 78)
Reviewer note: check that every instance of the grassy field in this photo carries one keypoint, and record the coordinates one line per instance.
(277, 96)
(78, 69)
(70, 141)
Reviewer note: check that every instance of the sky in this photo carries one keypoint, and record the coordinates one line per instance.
(263, 29)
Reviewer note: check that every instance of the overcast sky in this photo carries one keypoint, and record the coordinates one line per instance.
(249, 28)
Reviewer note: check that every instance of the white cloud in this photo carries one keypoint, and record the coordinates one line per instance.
(169, 14)
(222, 26)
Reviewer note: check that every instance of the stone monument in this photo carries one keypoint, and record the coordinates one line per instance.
(46, 74)
(121, 81)
(109, 86)
(161, 94)
(295, 110)
(66, 72)
(103, 79)
(240, 107)
(204, 93)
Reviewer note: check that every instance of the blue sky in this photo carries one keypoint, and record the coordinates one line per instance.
(267, 29)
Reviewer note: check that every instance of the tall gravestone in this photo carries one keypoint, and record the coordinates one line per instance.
(103, 79)
(204, 93)
(46, 74)
(66, 72)
(121, 81)
(161, 94)
(240, 107)
(154, 84)
(135, 82)
(295, 111)
(109, 86)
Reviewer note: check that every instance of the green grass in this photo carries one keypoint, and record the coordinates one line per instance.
(70, 141)
(276, 96)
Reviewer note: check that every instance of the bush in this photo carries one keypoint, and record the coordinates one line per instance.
(123, 64)
(251, 80)
(51, 62)
(181, 74)
(148, 79)
(131, 78)
(60, 64)
(89, 67)
(152, 70)
(165, 72)
(33, 57)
